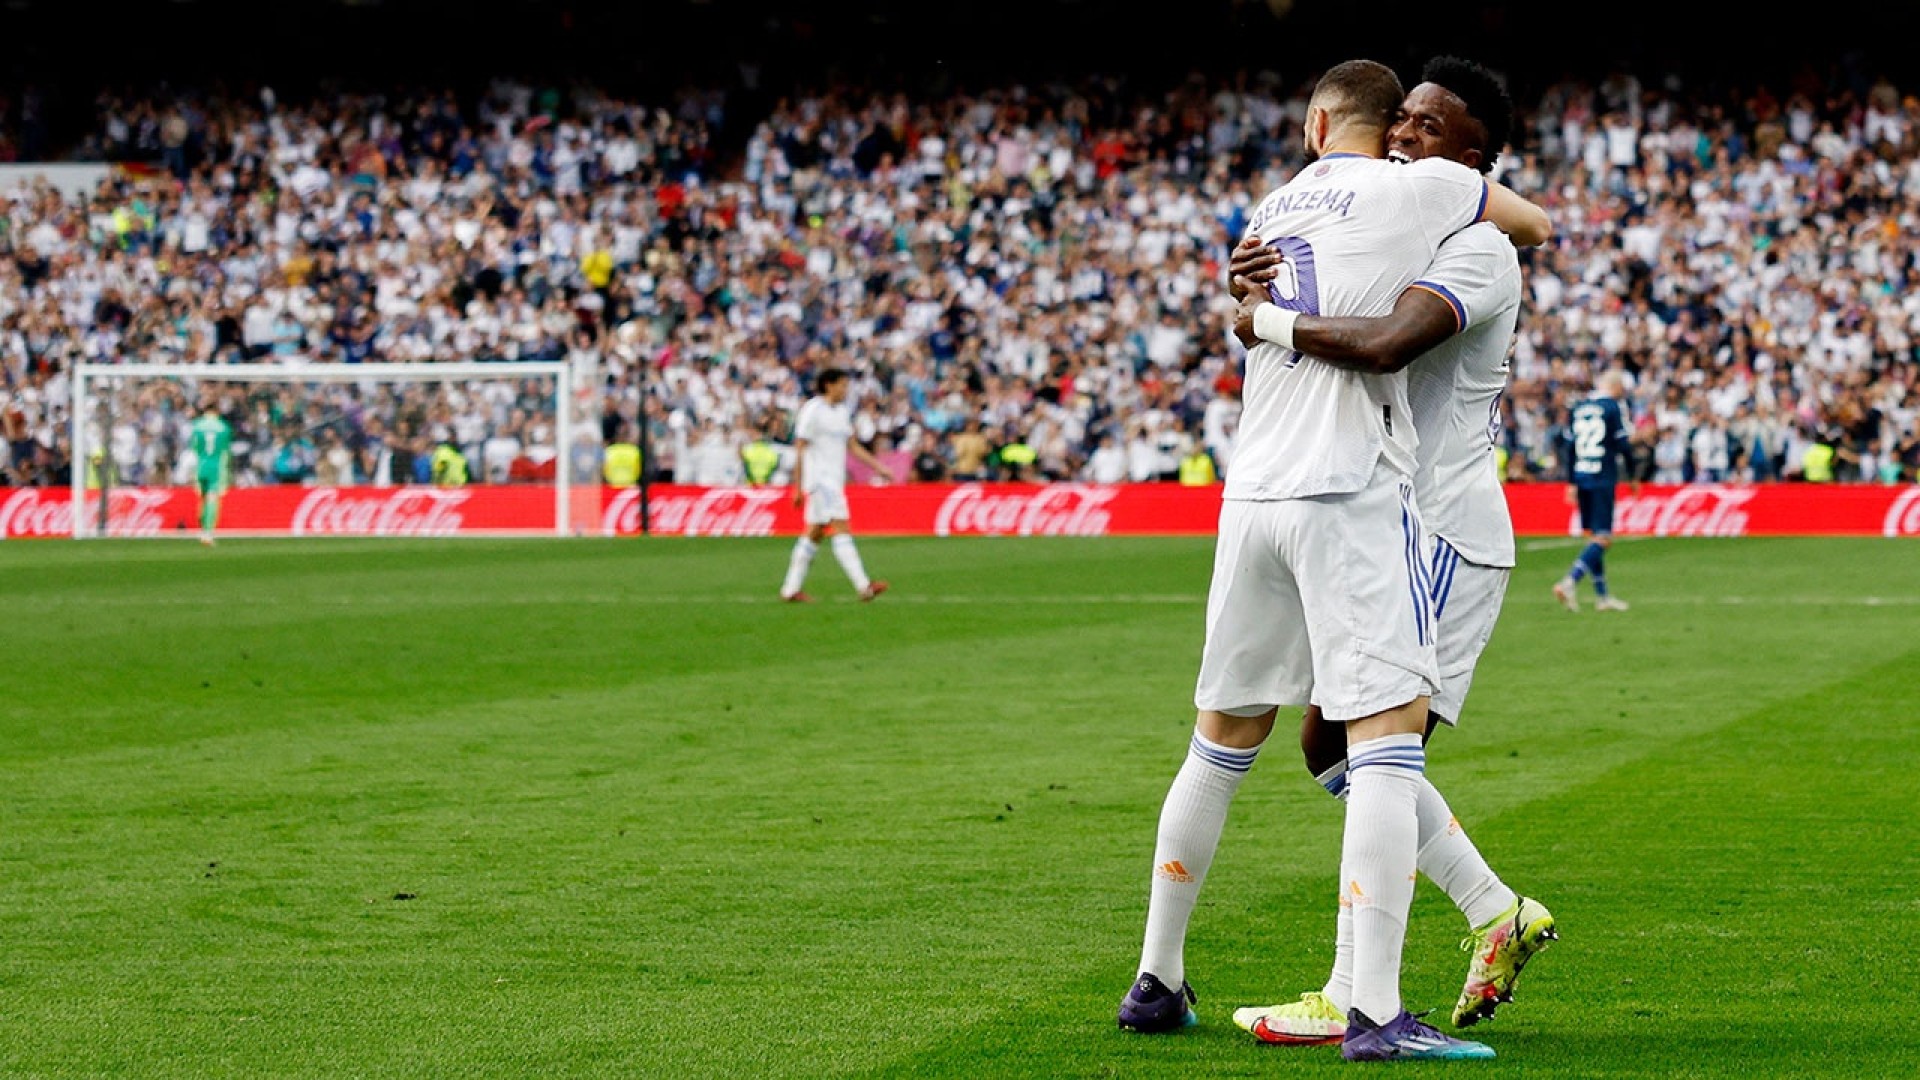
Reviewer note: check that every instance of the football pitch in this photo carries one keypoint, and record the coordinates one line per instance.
(605, 808)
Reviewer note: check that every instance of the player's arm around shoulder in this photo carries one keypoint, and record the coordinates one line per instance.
(1525, 223)
(1449, 196)
(1250, 265)
(1420, 319)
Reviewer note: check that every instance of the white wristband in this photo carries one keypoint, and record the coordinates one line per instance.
(1274, 323)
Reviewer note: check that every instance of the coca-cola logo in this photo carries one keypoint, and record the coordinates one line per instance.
(49, 512)
(1053, 510)
(1707, 510)
(408, 511)
(720, 511)
(1903, 517)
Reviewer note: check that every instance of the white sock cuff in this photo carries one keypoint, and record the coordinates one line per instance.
(1226, 758)
(1389, 752)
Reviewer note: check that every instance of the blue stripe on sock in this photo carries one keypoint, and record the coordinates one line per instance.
(1403, 761)
(1222, 757)
(1410, 758)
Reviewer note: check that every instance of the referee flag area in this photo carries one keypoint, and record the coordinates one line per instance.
(428, 806)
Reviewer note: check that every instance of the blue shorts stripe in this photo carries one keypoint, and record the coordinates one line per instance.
(1426, 570)
(1445, 561)
(1416, 576)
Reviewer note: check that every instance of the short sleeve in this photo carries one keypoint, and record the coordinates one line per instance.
(1476, 279)
(1449, 196)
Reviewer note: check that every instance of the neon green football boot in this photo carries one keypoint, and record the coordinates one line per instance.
(1311, 1021)
(1500, 949)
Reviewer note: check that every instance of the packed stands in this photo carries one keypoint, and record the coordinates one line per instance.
(1038, 262)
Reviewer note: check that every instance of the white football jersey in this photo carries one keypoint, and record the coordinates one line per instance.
(1454, 390)
(1355, 232)
(825, 428)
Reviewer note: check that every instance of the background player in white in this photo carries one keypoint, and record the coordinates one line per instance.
(822, 439)
(1319, 586)
(1458, 320)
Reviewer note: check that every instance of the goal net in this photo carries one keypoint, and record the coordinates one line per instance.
(448, 449)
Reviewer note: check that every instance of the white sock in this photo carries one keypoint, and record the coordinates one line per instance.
(1190, 824)
(1377, 864)
(1339, 988)
(849, 557)
(797, 565)
(1446, 856)
(1451, 861)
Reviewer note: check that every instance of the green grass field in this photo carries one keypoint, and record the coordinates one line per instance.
(603, 808)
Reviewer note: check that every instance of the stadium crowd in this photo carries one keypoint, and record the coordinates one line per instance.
(1028, 280)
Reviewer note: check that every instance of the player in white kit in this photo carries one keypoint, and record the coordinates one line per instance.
(822, 439)
(1458, 320)
(1320, 588)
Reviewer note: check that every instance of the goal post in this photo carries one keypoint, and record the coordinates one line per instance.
(303, 437)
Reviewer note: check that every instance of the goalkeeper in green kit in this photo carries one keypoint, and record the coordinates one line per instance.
(212, 442)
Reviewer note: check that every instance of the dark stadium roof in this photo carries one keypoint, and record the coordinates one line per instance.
(668, 40)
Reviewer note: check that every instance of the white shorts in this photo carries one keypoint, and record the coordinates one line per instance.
(825, 505)
(1466, 605)
(1323, 599)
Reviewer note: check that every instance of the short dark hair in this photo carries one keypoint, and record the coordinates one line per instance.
(829, 376)
(1363, 91)
(1485, 95)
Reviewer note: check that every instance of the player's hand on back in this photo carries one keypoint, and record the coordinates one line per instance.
(1251, 295)
(1254, 261)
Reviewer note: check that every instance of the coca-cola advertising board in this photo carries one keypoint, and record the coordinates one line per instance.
(914, 510)
(287, 511)
(1729, 510)
(927, 510)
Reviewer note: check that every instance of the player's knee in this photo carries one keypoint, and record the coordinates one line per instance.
(1241, 729)
(1323, 744)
